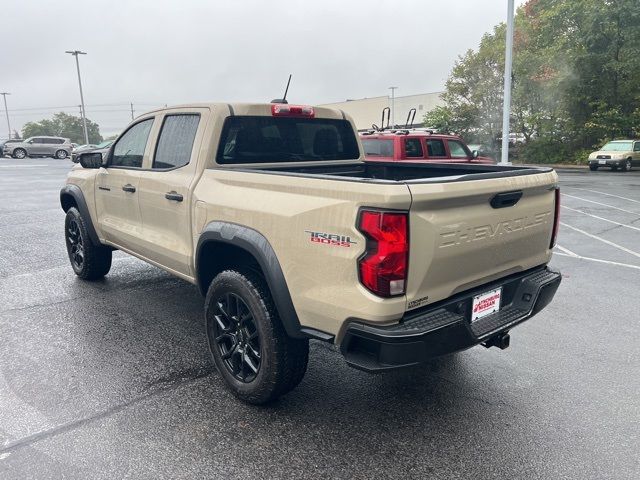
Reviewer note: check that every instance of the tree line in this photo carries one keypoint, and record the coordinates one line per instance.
(63, 125)
(576, 80)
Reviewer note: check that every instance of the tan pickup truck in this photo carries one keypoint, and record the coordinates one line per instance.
(272, 212)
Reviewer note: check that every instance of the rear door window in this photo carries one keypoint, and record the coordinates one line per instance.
(636, 148)
(176, 141)
(413, 148)
(457, 149)
(374, 147)
(255, 139)
(435, 148)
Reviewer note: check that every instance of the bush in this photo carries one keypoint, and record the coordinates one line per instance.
(544, 150)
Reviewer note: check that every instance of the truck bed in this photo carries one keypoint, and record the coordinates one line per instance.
(382, 172)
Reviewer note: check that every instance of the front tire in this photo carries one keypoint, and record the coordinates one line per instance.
(256, 358)
(626, 166)
(19, 153)
(61, 154)
(89, 261)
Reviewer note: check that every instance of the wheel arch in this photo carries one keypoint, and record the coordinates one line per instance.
(226, 245)
(72, 196)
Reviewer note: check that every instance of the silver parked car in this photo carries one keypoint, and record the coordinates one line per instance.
(42, 146)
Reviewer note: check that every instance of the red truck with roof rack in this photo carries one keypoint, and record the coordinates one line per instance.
(419, 145)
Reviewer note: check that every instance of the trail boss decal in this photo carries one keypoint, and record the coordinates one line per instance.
(332, 239)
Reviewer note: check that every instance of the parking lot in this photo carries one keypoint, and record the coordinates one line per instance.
(113, 379)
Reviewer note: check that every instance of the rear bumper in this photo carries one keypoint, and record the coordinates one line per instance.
(445, 327)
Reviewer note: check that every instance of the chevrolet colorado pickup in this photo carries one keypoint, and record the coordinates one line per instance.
(272, 212)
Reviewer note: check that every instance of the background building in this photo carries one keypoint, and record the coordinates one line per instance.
(367, 111)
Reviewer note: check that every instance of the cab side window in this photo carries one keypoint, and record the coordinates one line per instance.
(129, 151)
(176, 141)
(435, 148)
(413, 148)
(457, 149)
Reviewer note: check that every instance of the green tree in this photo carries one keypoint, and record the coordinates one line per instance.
(63, 125)
(575, 79)
(473, 93)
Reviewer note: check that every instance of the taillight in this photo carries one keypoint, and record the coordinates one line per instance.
(556, 219)
(383, 267)
(285, 110)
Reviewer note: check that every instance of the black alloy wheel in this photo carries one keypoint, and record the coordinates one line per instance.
(75, 244)
(237, 337)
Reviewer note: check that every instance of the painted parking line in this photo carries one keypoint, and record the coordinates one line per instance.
(605, 193)
(602, 218)
(22, 166)
(567, 251)
(598, 260)
(603, 240)
(603, 204)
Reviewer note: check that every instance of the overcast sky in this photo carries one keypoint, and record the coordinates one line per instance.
(152, 52)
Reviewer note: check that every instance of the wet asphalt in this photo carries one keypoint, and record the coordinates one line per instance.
(113, 379)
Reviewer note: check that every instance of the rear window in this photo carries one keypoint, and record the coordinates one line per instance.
(374, 147)
(249, 139)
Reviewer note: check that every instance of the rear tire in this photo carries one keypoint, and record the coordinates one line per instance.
(614, 168)
(61, 154)
(19, 153)
(256, 358)
(593, 168)
(89, 261)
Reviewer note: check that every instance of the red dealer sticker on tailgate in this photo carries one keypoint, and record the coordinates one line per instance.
(486, 304)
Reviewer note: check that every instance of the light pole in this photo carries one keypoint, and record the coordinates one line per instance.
(4, 95)
(75, 53)
(506, 106)
(393, 106)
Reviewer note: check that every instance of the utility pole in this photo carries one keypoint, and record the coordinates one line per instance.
(4, 95)
(393, 106)
(131, 110)
(506, 106)
(75, 53)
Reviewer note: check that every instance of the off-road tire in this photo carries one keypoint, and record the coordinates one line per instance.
(19, 153)
(61, 154)
(283, 360)
(89, 261)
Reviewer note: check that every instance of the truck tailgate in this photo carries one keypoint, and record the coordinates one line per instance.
(459, 240)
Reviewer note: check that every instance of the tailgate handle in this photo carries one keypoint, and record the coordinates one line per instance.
(506, 199)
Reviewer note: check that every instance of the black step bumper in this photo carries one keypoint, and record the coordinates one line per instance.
(445, 327)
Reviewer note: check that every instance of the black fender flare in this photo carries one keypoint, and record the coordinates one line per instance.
(75, 192)
(257, 245)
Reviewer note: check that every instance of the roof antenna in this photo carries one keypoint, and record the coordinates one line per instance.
(283, 99)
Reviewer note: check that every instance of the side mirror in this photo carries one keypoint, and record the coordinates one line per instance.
(475, 154)
(91, 160)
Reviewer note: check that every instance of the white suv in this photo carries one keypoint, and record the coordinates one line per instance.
(57, 147)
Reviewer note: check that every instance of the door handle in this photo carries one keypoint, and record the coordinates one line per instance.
(173, 195)
(129, 188)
